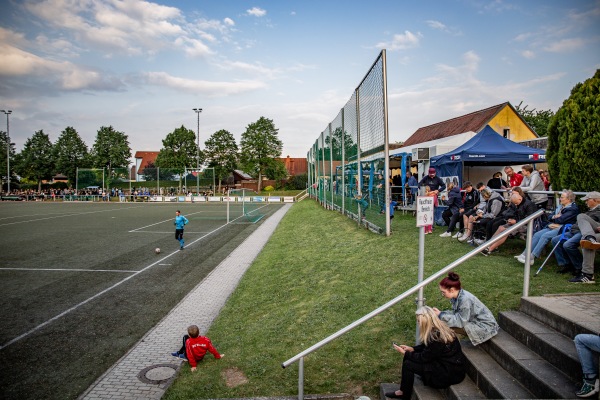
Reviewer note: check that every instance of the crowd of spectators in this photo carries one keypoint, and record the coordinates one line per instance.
(480, 218)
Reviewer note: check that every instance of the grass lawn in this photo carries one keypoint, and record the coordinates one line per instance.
(319, 273)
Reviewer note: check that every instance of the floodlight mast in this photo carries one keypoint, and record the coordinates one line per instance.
(198, 111)
(7, 112)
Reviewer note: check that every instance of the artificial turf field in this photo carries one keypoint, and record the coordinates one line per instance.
(80, 283)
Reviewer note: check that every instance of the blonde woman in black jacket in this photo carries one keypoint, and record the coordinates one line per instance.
(438, 359)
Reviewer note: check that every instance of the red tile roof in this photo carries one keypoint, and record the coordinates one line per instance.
(473, 122)
(146, 156)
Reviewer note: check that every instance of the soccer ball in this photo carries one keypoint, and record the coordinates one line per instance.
(157, 250)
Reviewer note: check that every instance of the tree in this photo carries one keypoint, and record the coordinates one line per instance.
(221, 152)
(260, 145)
(3, 166)
(36, 160)
(537, 120)
(111, 149)
(179, 151)
(70, 152)
(574, 139)
(150, 171)
(336, 141)
(276, 170)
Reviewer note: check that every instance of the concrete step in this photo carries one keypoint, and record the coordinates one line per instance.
(464, 390)
(491, 379)
(567, 314)
(536, 374)
(554, 347)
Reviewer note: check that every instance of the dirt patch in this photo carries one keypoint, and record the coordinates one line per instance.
(234, 377)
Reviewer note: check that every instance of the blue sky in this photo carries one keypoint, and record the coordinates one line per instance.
(142, 66)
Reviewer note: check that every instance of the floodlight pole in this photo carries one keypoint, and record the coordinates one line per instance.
(7, 112)
(198, 111)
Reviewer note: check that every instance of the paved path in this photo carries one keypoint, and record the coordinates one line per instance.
(147, 369)
(581, 309)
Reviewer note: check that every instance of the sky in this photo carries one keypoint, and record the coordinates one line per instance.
(142, 66)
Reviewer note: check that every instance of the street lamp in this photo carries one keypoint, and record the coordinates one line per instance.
(7, 112)
(198, 111)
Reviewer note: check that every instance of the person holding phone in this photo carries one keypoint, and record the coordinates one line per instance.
(439, 359)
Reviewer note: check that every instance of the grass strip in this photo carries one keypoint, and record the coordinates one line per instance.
(320, 272)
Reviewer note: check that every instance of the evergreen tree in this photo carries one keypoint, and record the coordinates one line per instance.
(260, 145)
(574, 139)
(36, 161)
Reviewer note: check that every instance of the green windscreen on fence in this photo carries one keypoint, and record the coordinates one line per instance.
(348, 164)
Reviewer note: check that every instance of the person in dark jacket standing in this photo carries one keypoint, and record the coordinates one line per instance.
(439, 359)
(452, 214)
(435, 183)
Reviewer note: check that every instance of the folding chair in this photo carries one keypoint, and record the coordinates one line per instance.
(566, 228)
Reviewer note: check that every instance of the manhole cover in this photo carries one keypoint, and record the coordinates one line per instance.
(157, 374)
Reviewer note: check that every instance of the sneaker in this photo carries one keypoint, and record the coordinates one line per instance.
(583, 278)
(183, 357)
(521, 259)
(464, 238)
(446, 234)
(590, 243)
(176, 354)
(457, 235)
(486, 251)
(519, 256)
(181, 248)
(587, 390)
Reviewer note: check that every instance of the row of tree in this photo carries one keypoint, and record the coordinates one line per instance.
(41, 159)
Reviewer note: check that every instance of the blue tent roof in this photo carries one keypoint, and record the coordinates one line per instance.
(488, 147)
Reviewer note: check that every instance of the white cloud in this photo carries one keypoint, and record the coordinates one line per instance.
(202, 87)
(53, 74)
(565, 45)
(404, 41)
(193, 47)
(528, 54)
(437, 25)
(257, 12)
(228, 22)
(256, 68)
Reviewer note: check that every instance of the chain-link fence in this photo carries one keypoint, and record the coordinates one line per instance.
(349, 162)
(152, 181)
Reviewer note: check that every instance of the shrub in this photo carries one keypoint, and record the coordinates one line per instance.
(269, 188)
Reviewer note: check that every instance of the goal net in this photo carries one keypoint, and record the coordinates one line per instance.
(244, 205)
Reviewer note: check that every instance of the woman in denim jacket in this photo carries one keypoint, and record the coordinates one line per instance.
(468, 315)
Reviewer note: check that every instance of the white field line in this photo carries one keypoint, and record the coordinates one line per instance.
(67, 215)
(67, 269)
(161, 222)
(163, 232)
(62, 314)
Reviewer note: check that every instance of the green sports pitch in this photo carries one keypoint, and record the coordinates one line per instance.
(80, 283)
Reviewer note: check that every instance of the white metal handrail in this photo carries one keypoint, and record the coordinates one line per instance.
(526, 221)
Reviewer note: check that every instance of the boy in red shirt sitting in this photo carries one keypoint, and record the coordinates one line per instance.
(195, 347)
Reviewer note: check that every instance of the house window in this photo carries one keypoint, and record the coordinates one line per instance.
(506, 133)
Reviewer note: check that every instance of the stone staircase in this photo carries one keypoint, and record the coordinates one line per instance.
(533, 356)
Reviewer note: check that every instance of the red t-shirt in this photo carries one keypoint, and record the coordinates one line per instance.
(515, 180)
(196, 348)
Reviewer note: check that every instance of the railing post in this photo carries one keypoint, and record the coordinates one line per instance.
(301, 378)
(527, 268)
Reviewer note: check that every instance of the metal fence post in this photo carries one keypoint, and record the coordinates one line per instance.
(527, 268)
(301, 379)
